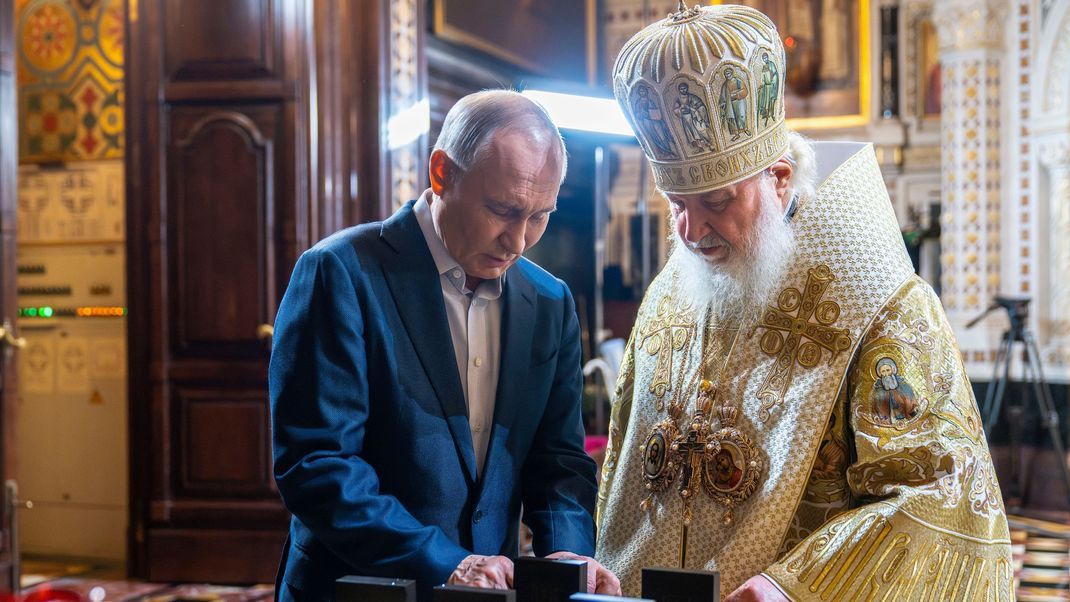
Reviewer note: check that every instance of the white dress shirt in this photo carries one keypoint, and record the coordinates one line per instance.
(475, 319)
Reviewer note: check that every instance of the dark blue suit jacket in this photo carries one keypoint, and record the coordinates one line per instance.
(373, 453)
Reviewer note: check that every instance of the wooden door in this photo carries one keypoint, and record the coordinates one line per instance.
(217, 135)
(8, 165)
(251, 127)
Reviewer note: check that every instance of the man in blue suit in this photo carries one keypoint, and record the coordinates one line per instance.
(425, 377)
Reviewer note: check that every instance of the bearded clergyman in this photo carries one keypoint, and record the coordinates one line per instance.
(792, 409)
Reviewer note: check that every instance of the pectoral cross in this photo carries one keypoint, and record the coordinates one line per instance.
(693, 450)
(690, 448)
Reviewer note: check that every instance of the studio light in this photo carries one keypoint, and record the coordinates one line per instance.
(586, 113)
(407, 125)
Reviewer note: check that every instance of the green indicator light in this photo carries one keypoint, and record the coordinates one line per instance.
(30, 312)
(46, 312)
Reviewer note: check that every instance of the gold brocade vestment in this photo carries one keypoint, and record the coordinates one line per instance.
(877, 483)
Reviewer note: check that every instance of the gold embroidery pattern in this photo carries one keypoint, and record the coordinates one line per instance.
(877, 557)
(670, 330)
(794, 339)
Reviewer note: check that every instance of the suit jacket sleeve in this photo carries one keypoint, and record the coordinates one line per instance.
(320, 403)
(558, 476)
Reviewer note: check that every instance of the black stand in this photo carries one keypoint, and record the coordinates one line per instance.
(1033, 373)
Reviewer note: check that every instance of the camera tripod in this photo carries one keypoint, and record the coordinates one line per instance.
(1033, 374)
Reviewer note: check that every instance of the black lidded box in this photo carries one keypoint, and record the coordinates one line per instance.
(679, 585)
(547, 580)
(374, 589)
(463, 593)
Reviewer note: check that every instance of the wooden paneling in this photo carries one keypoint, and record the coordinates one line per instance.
(223, 444)
(211, 40)
(221, 188)
(243, 556)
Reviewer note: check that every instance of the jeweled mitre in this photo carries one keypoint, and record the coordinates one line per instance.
(704, 92)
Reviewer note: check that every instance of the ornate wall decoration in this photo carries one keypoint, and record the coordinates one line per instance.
(407, 95)
(1022, 188)
(70, 79)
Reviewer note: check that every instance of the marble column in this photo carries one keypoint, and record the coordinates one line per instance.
(971, 40)
(1054, 154)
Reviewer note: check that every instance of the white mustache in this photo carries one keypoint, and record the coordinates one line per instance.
(709, 241)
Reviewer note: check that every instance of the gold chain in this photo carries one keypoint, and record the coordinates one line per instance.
(676, 405)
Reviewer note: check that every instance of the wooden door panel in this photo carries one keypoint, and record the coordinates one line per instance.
(236, 556)
(223, 448)
(222, 185)
(212, 40)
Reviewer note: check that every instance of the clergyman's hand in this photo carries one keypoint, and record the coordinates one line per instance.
(757, 589)
(600, 580)
(491, 572)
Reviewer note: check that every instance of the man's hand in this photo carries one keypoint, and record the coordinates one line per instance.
(756, 589)
(600, 580)
(491, 572)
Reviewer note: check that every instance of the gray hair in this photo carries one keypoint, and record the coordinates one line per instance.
(471, 123)
(804, 160)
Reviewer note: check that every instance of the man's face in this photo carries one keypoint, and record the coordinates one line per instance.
(491, 214)
(885, 371)
(727, 215)
(728, 73)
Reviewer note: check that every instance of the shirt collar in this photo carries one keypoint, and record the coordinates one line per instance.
(444, 262)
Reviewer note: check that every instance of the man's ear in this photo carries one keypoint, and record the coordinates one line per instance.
(782, 171)
(442, 171)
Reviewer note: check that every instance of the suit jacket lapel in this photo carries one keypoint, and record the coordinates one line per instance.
(414, 283)
(518, 327)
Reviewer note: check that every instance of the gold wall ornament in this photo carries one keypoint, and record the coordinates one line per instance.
(793, 338)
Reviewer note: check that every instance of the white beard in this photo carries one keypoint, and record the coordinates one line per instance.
(739, 287)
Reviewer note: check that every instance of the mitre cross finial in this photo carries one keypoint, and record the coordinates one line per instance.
(683, 12)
